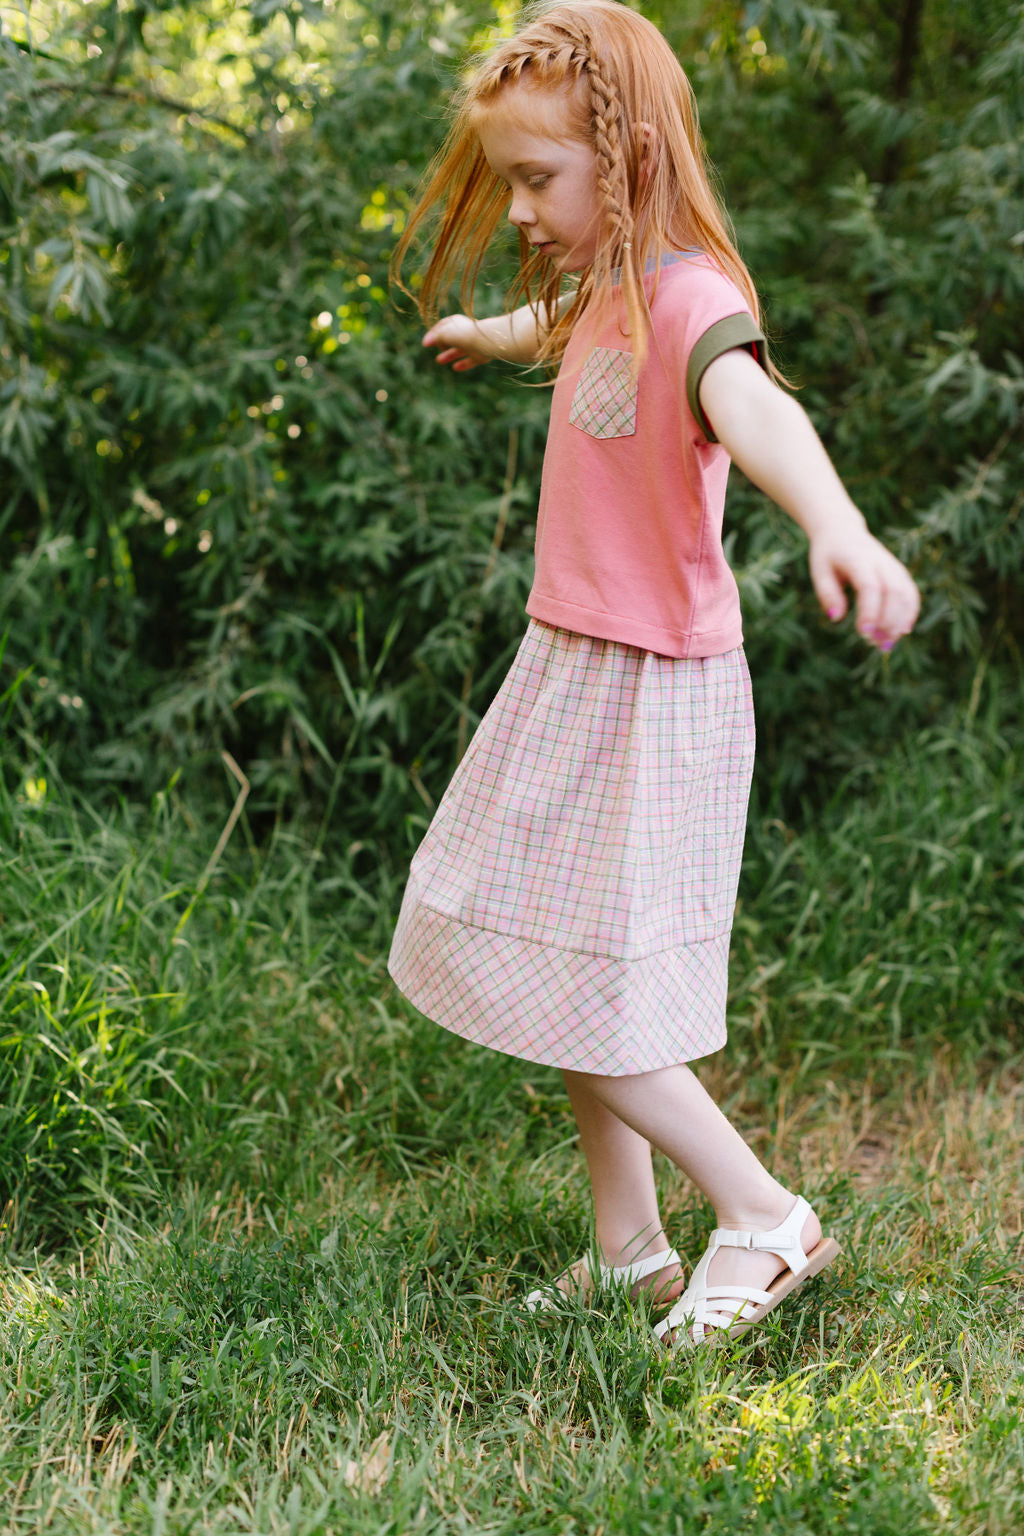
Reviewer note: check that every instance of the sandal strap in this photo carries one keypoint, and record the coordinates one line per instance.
(734, 1292)
(702, 1306)
(705, 1313)
(606, 1279)
(629, 1274)
(783, 1239)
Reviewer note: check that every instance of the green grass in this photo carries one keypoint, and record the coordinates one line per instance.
(267, 1230)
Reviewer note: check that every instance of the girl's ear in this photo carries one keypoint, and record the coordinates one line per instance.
(649, 150)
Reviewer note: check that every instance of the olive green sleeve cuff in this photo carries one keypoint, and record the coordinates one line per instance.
(734, 331)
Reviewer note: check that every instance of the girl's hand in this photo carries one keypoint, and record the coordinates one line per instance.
(463, 342)
(466, 343)
(888, 601)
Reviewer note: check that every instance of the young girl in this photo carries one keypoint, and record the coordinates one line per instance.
(572, 901)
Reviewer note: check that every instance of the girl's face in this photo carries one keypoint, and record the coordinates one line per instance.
(526, 140)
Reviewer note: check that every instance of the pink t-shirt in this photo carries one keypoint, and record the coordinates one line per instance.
(629, 528)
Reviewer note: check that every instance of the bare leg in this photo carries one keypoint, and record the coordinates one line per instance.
(672, 1111)
(625, 1201)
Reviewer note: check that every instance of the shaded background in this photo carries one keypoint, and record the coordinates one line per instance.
(241, 508)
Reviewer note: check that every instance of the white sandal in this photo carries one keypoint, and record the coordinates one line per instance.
(712, 1312)
(610, 1277)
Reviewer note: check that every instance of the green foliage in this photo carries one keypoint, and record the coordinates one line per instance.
(92, 1025)
(242, 508)
(240, 513)
(910, 915)
(300, 1224)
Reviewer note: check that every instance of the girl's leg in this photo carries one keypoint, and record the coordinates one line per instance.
(674, 1113)
(626, 1213)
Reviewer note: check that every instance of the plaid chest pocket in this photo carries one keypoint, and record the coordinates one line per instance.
(604, 402)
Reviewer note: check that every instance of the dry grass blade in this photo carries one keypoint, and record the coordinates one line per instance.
(229, 825)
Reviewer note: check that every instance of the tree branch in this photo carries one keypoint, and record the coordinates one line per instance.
(910, 43)
(126, 93)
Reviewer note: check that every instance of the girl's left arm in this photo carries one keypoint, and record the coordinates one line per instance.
(772, 440)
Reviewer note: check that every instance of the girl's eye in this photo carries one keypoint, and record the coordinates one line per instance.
(537, 182)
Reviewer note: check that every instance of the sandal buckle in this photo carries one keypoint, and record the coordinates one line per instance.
(727, 1237)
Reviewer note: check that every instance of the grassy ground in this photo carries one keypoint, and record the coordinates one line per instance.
(268, 1231)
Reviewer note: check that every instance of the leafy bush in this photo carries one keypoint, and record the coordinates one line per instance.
(243, 508)
(239, 514)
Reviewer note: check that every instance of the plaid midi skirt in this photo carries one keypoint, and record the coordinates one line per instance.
(572, 900)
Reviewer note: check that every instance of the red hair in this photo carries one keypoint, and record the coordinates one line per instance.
(628, 97)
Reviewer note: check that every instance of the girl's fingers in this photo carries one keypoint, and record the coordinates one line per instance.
(829, 589)
(888, 608)
(870, 605)
(455, 335)
(886, 596)
(459, 360)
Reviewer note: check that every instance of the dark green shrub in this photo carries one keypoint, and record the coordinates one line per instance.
(242, 508)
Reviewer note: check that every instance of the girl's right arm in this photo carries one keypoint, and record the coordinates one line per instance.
(770, 436)
(466, 343)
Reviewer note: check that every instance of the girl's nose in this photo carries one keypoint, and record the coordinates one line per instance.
(520, 212)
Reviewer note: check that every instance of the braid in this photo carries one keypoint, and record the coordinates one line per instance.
(557, 61)
(612, 182)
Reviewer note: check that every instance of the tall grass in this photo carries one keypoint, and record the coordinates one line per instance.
(899, 922)
(268, 1230)
(93, 1025)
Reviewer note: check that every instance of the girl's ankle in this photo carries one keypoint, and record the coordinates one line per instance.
(758, 1215)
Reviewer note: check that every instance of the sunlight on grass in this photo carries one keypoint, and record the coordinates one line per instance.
(785, 1432)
